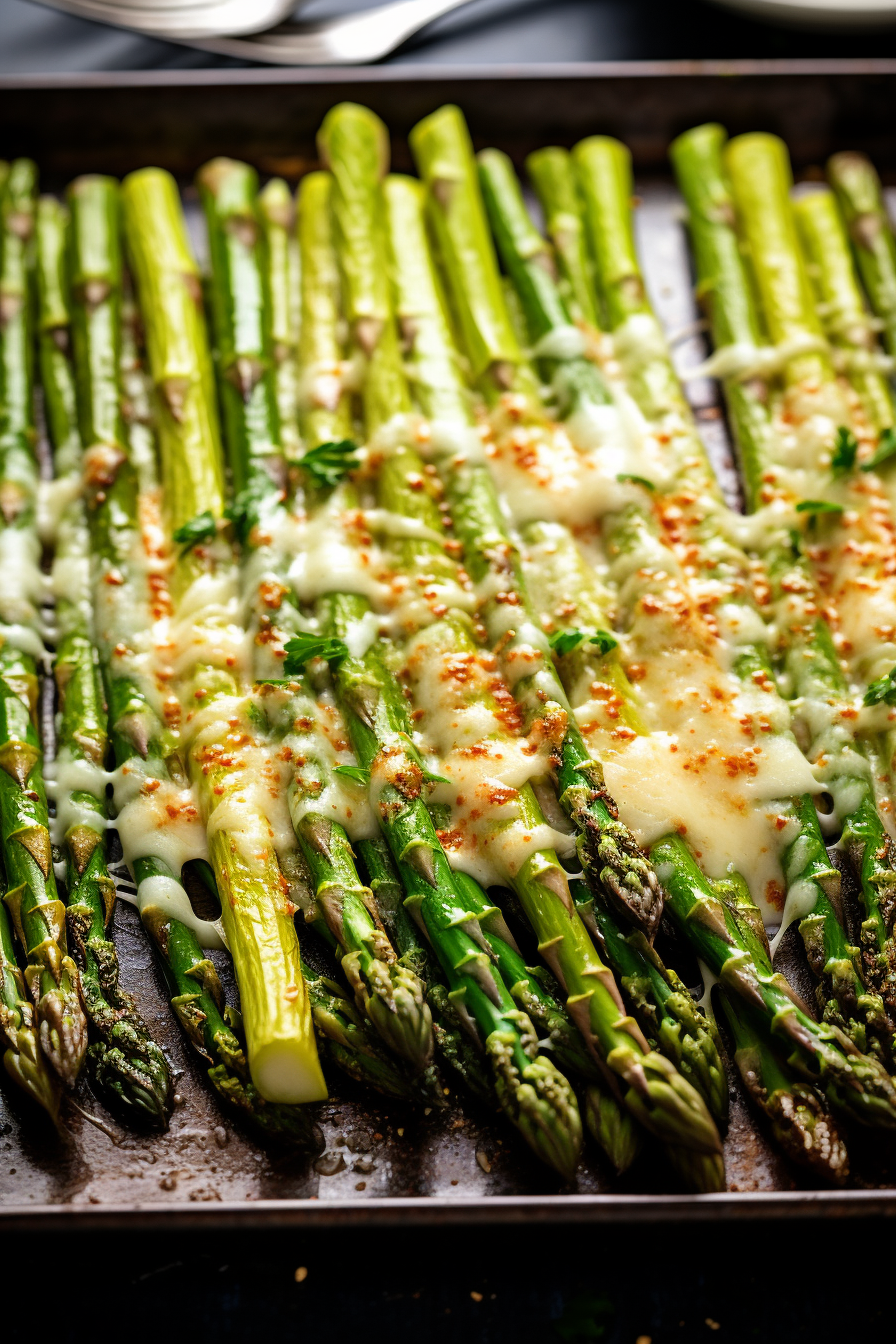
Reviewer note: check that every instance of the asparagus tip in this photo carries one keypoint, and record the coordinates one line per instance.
(611, 1126)
(394, 1002)
(540, 1102)
(136, 1082)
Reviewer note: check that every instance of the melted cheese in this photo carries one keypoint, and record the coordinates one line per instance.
(466, 720)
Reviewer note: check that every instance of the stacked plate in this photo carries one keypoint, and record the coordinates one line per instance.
(820, 13)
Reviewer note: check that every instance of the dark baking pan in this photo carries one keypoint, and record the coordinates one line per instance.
(385, 1165)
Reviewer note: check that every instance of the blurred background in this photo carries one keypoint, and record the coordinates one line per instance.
(34, 39)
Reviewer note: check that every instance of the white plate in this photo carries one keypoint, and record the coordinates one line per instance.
(843, 14)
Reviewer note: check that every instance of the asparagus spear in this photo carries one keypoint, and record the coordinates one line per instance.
(389, 994)
(814, 885)
(655, 384)
(845, 318)
(607, 850)
(223, 753)
(327, 420)
(281, 257)
(556, 186)
(800, 1123)
(425, 320)
(547, 903)
(121, 491)
(533, 1093)
(23, 1058)
(860, 197)
(454, 1044)
(125, 1063)
(810, 655)
(37, 914)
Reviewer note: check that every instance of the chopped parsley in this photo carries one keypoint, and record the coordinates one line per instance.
(564, 641)
(886, 448)
(843, 458)
(201, 528)
(818, 506)
(355, 772)
(329, 462)
(303, 648)
(882, 691)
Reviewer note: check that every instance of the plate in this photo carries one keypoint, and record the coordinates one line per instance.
(843, 14)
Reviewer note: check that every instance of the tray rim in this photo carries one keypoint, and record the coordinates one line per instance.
(428, 74)
(443, 1211)
(440, 1210)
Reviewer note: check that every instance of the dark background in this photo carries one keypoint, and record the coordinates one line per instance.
(37, 40)
(751, 1282)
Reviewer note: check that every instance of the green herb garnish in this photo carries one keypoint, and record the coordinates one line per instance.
(303, 648)
(816, 506)
(564, 641)
(843, 458)
(329, 462)
(886, 448)
(246, 507)
(882, 690)
(201, 528)
(355, 772)
(636, 480)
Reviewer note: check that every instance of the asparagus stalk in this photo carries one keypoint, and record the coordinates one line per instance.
(593, 998)
(260, 934)
(345, 1040)
(610, 1123)
(534, 1094)
(605, 169)
(390, 995)
(853, 1083)
(281, 259)
(697, 1051)
(799, 1120)
(841, 304)
(860, 197)
(327, 420)
(324, 408)
(37, 914)
(125, 1063)
(555, 183)
(810, 654)
(23, 1058)
(608, 852)
(121, 491)
(655, 386)
(453, 1042)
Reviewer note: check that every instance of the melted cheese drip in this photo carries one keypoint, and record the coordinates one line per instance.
(484, 765)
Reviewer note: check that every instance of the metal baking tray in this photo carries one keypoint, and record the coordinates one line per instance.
(390, 1166)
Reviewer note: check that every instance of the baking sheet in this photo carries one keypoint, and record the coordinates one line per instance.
(385, 1163)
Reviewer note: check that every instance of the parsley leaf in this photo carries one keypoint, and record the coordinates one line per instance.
(355, 772)
(843, 458)
(413, 751)
(564, 641)
(275, 681)
(604, 641)
(303, 648)
(886, 448)
(245, 509)
(884, 689)
(329, 462)
(816, 506)
(636, 480)
(201, 528)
